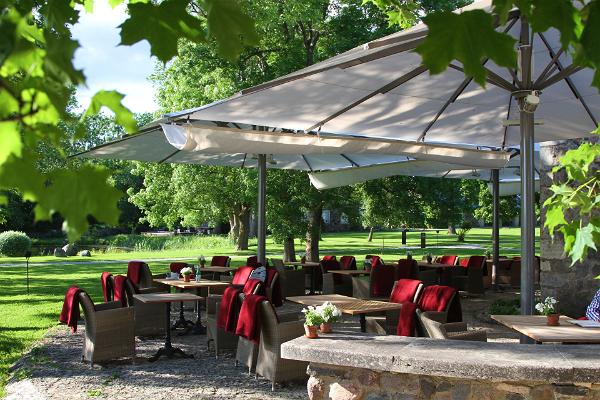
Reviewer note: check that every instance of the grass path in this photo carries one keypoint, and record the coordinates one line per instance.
(24, 318)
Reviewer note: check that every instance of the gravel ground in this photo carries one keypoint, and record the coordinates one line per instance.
(53, 370)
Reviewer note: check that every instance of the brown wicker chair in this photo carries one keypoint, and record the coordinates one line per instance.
(109, 331)
(386, 323)
(433, 325)
(273, 333)
(150, 319)
(292, 283)
(472, 281)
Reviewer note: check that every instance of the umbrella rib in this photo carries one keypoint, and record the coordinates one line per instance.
(492, 78)
(244, 160)
(384, 89)
(307, 163)
(510, 99)
(568, 79)
(354, 164)
(395, 49)
(551, 65)
(169, 156)
(559, 76)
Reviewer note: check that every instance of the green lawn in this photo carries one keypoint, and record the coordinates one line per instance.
(24, 318)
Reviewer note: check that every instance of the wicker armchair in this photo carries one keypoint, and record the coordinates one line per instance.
(472, 281)
(292, 283)
(109, 331)
(273, 333)
(386, 323)
(433, 325)
(150, 319)
(221, 339)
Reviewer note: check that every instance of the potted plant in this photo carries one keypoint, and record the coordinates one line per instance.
(429, 258)
(186, 272)
(549, 309)
(329, 314)
(312, 319)
(201, 261)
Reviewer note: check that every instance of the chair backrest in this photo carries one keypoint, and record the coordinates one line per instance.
(406, 290)
(278, 264)
(220, 261)
(407, 269)
(241, 275)
(177, 266)
(464, 262)
(382, 280)
(252, 261)
(476, 262)
(87, 304)
(329, 263)
(348, 262)
(253, 286)
(436, 298)
(448, 259)
(139, 272)
(269, 326)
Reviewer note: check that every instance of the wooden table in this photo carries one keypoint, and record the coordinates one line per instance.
(167, 298)
(348, 305)
(196, 328)
(313, 274)
(349, 272)
(534, 326)
(219, 270)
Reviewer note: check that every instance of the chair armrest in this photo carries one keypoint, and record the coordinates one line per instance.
(455, 326)
(110, 305)
(438, 316)
(475, 335)
(290, 330)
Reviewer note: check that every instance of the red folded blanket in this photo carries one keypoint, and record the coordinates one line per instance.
(120, 293)
(405, 290)
(227, 318)
(107, 288)
(134, 271)
(276, 293)
(248, 324)
(70, 310)
(241, 275)
(434, 298)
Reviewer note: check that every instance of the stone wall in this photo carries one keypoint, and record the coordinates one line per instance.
(574, 286)
(343, 383)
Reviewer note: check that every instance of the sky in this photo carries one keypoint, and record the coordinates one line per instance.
(107, 65)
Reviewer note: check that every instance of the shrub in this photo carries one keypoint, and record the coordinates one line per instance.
(14, 244)
(506, 307)
(465, 227)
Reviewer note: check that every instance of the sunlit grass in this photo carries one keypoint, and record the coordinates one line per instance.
(24, 318)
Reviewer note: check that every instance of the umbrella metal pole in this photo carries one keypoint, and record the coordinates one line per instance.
(262, 189)
(495, 227)
(527, 181)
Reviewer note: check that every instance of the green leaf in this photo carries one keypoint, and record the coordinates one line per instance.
(591, 32)
(59, 13)
(112, 100)
(554, 217)
(502, 8)
(230, 26)
(584, 240)
(10, 140)
(559, 14)
(162, 25)
(470, 38)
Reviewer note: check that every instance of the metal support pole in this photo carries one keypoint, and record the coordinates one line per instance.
(495, 226)
(527, 181)
(261, 233)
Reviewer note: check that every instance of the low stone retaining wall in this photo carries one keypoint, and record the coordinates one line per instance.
(351, 366)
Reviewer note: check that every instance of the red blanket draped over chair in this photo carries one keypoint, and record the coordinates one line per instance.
(375, 260)
(406, 269)
(241, 275)
(276, 293)
(134, 271)
(248, 324)
(329, 263)
(219, 261)
(177, 266)
(252, 261)
(434, 298)
(348, 262)
(382, 280)
(107, 288)
(120, 290)
(230, 304)
(448, 260)
(405, 290)
(70, 310)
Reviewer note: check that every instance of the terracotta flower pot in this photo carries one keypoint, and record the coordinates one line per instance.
(310, 332)
(325, 328)
(552, 320)
(186, 278)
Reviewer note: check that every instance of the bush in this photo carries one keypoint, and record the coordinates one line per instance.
(14, 244)
(465, 227)
(506, 307)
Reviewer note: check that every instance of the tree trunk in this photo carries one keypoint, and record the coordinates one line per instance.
(233, 227)
(370, 238)
(243, 228)
(289, 251)
(313, 234)
(451, 230)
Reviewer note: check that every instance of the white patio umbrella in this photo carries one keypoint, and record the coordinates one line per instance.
(382, 91)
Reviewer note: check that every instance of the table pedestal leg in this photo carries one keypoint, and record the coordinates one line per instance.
(198, 328)
(168, 350)
(182, 322)
(363, 322)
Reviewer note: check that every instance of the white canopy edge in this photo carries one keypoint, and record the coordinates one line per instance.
(190, 138)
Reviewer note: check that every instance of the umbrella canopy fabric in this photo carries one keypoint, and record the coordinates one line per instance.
(510, 175)
(213, 145)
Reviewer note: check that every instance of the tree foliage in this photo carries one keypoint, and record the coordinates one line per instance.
(37, 75)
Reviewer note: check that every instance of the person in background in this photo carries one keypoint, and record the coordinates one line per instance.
(593, 310)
